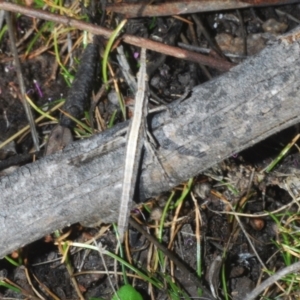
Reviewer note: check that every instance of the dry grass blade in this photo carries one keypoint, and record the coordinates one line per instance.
(134, 146)
(23, 130)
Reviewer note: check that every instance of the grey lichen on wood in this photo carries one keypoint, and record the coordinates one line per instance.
(224, 116)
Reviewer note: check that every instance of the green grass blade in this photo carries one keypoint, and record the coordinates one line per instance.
(108, 48)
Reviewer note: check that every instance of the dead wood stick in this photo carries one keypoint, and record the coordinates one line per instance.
(135, 10)
(224, 116)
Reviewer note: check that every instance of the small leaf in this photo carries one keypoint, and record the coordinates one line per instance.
(127, 292)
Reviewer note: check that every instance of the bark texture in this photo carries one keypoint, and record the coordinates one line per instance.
(226, 115)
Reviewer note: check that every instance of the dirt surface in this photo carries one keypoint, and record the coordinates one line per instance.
(169, 78)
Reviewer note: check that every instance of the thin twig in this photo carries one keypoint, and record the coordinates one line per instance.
(21, 82)
(288, 270)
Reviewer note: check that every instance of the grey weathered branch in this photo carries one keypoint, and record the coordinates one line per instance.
(222, 117)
